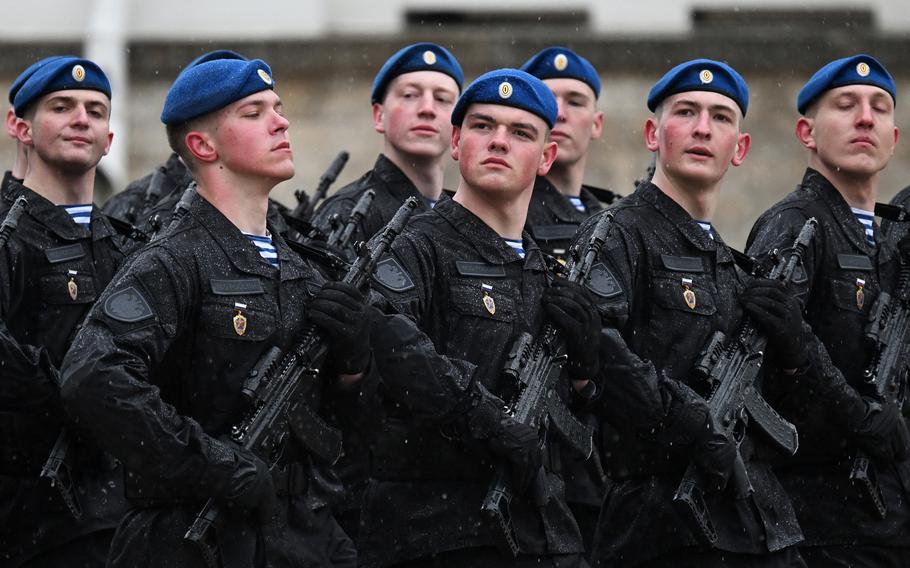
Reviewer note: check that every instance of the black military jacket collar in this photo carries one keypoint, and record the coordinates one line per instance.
(397, 183)
(560, 206)
(484, 239)
(828, 195)
(56, 219)
(685, 224)
(238, 248)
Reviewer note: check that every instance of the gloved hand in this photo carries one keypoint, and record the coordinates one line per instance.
(520, 445)
(882, 431)
(570, 308)
(250, 487)
(339, 312)
(689, 421)
(780, 315)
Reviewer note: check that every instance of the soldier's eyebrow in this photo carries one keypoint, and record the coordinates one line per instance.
(520, 125)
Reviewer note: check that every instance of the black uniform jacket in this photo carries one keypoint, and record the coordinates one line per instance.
(844, 276)
(553, 220)
(470, 295)
(157, 370)
(392, 188)
(654, 254)
(51, 273)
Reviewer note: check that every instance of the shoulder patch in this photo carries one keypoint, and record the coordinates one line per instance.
(392, 275)
(602, 282)
(127, 305)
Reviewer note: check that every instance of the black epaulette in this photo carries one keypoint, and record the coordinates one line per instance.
(128, 229)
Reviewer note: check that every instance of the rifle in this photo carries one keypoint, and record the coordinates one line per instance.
(730, 367)
(305, 204)
(274, 389)
(534, 366)
(11, 221)
(341, 235)
(889, 332)
(180, 209)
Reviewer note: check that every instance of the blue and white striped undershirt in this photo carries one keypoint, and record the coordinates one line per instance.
(866, 218)
(706, 227)
(517, 246)
(266, 248)
(577, 203)
(81, 214)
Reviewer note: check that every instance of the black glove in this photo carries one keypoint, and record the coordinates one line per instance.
(250, 487)
(882, 432)
(570, 307)
(780, 315)
(338, 310)
(689, 422)
(519, 444)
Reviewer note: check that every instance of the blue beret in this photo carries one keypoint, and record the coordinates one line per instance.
(58, 74)
(212, 85)
(701, 75)
(214, 56)
(563, 63)
(856, 70)
(29, 71)
(508, 87)
(416, 57)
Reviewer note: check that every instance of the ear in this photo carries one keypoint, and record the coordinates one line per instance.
(547, 158)
(896, 136)
(650, 133)
(378, 126)
(456, 138)
(24, 131)
(598, 127)
(742, 148)
(805, 132)
(200, 146)
(11, 120)
(107, 147)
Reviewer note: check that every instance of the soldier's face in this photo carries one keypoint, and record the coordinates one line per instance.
(697, 137)
(851, 130)
(251, 138)
(68, 130)
(502, 149)
(415, 116)
(578, 121)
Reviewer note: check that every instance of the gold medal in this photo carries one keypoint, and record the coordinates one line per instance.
(688, 293)
(860, 293)
(71, 287)
(488, 302)
(240, 321)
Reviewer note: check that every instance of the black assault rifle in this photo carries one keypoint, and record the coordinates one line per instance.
(274, 389)
(306, 204)
(730, 366)
(340, 236)
(889, 331)
(11, 221)
(534, 367)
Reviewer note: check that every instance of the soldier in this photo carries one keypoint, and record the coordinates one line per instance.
(559, 204)
(471, 280)
(561, 201)
(166, 183)
(667, 282)
(53, 268)
(412, 98)
(156, 372)
(847, 126)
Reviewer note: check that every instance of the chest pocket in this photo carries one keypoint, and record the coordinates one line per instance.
(493, 302)
(681, 283)
(64, 286)
(854, 287)
(238, 309)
